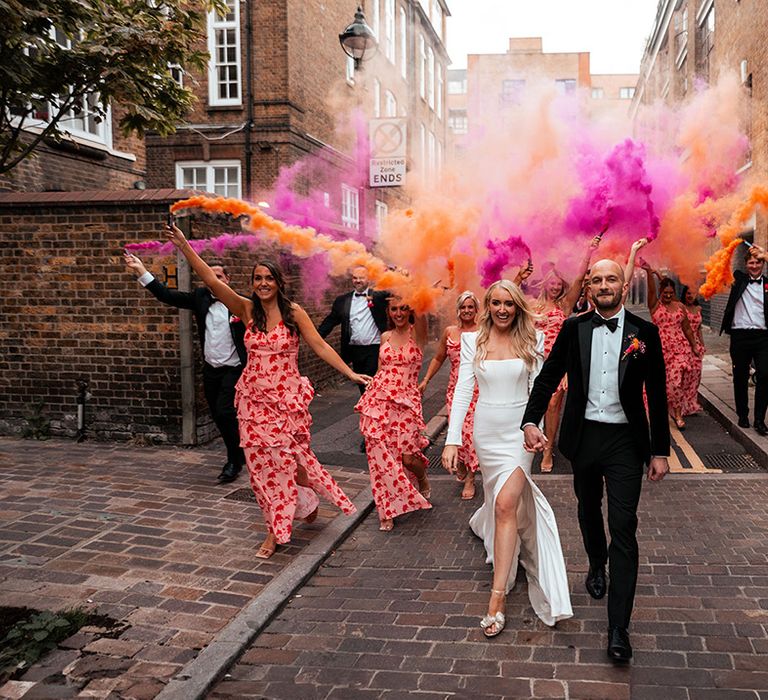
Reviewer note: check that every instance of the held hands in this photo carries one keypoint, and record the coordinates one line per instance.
(658, 468)
(174, 235)
(535, 440)
(134, 264)
(450, 458)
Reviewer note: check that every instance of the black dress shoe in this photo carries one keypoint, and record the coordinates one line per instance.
(595, 582)
(761, 427)
(743, 422)
(619, 648)
(229, 473)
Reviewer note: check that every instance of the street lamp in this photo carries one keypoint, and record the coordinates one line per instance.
(358, 38)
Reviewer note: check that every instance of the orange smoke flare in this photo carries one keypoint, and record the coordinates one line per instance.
(305, 242)
(718, 267)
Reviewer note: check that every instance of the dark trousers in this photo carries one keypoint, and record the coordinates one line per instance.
(608, 455)
(219, 387)
(364, 360)
(748, 346)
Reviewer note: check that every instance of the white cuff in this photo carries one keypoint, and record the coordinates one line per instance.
(145, 279)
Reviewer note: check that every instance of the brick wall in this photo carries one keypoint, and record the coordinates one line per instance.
(72, 312)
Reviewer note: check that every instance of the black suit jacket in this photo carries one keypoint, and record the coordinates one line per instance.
(740, 282)
(340, 315)
(199, 301)
(571, 353)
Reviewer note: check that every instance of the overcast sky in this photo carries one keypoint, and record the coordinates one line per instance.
(613, 31)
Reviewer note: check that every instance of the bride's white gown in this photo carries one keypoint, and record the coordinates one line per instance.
(504, 386)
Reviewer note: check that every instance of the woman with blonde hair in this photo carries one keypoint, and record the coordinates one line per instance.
(555, 303)
(515, 521)
(467, 309)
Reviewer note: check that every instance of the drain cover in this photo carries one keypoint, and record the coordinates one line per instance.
(731, 462)
(245, 495)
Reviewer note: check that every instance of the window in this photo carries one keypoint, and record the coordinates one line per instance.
(598, 93)
(565, 86)
(440, 89)
(350, 70)
(436, 17)
(457, 85)
(432, 143)
(457, 121)
(512, 91)
(403, 44)
(389, 30)
(626, 93)
(390, 104)
(705, 44)
(382, 210)
(224, 48)
(376, 98)
(221, 177)
(422, 146)
(327, 199)
(350, 202)
(375, 25)
(431, 77)
(177, 73)
(422, 67)
(681, 33)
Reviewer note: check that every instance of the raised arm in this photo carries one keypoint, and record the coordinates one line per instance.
(172, 297)
(629, 270)
(523, 273)
(653, 297)
(574, 291)
(240, 306)
(324, 351)
(437, 361)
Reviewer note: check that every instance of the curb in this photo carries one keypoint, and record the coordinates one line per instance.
(196, 678)
(754, 444)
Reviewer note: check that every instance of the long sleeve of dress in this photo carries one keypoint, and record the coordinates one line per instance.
(538, 362)
(465, 388)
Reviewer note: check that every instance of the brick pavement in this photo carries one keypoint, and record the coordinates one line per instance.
(143, 535)
(396, 615)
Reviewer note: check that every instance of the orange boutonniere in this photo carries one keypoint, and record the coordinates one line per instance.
(635, 347)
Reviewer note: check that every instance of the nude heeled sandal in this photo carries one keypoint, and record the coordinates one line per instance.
(498, 619)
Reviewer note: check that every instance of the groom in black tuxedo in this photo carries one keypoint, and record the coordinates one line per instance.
(609, 356)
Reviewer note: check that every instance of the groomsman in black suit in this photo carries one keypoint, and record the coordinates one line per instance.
(224, 354)
(609, 355)
(746, 321)
(362, 314)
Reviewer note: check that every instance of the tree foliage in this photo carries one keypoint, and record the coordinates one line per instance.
(56, 56)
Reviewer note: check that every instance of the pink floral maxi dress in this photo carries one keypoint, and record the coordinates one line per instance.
(692, 372)
(391, 422)
(467, 450)
(272, 402)
(676, 351)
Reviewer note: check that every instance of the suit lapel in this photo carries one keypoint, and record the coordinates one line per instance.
(585, 348)
(630, 330)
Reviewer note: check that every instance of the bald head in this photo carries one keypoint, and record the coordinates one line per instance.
(606, 283)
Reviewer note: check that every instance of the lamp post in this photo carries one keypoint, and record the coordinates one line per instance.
(358, 41)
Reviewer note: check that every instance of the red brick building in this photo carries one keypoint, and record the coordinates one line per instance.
(694, 42)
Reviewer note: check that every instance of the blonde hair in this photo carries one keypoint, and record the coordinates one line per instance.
(522, 331)
(542, 298)
(463, 297)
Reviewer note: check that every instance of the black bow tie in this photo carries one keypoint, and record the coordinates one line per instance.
(360, 294)
(611, 323)
(757, 281)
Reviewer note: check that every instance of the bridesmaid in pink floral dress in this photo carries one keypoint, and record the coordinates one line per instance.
(692, 372)
(677, 339)
(391, 419)
(467, 308)
(273, 399)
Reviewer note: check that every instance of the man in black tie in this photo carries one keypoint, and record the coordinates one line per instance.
(746, 321)
(362, 314)
(609, 355)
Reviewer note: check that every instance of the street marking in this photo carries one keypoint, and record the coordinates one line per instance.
(674, 461)
(697, 466)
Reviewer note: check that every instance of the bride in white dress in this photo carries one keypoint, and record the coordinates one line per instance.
(515, 522)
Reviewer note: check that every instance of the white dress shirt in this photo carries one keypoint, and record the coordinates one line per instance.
(603, 402)
(362, 328)
(220, 350)
(749, 313)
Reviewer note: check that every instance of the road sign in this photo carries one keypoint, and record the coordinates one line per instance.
(388, 151)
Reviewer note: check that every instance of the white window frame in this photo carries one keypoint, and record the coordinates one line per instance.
(390, 104)
(626, 93)
(431, 77)
(457, 121)
(403, 44)
(210, 176)
(216, 23)
(350, 207)
(422, 67)
(390, 50)
(432, 152)
(376, 98)
(382, 211)
(423, 147)
(598, 93)
(440, 89)
(375, 18)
